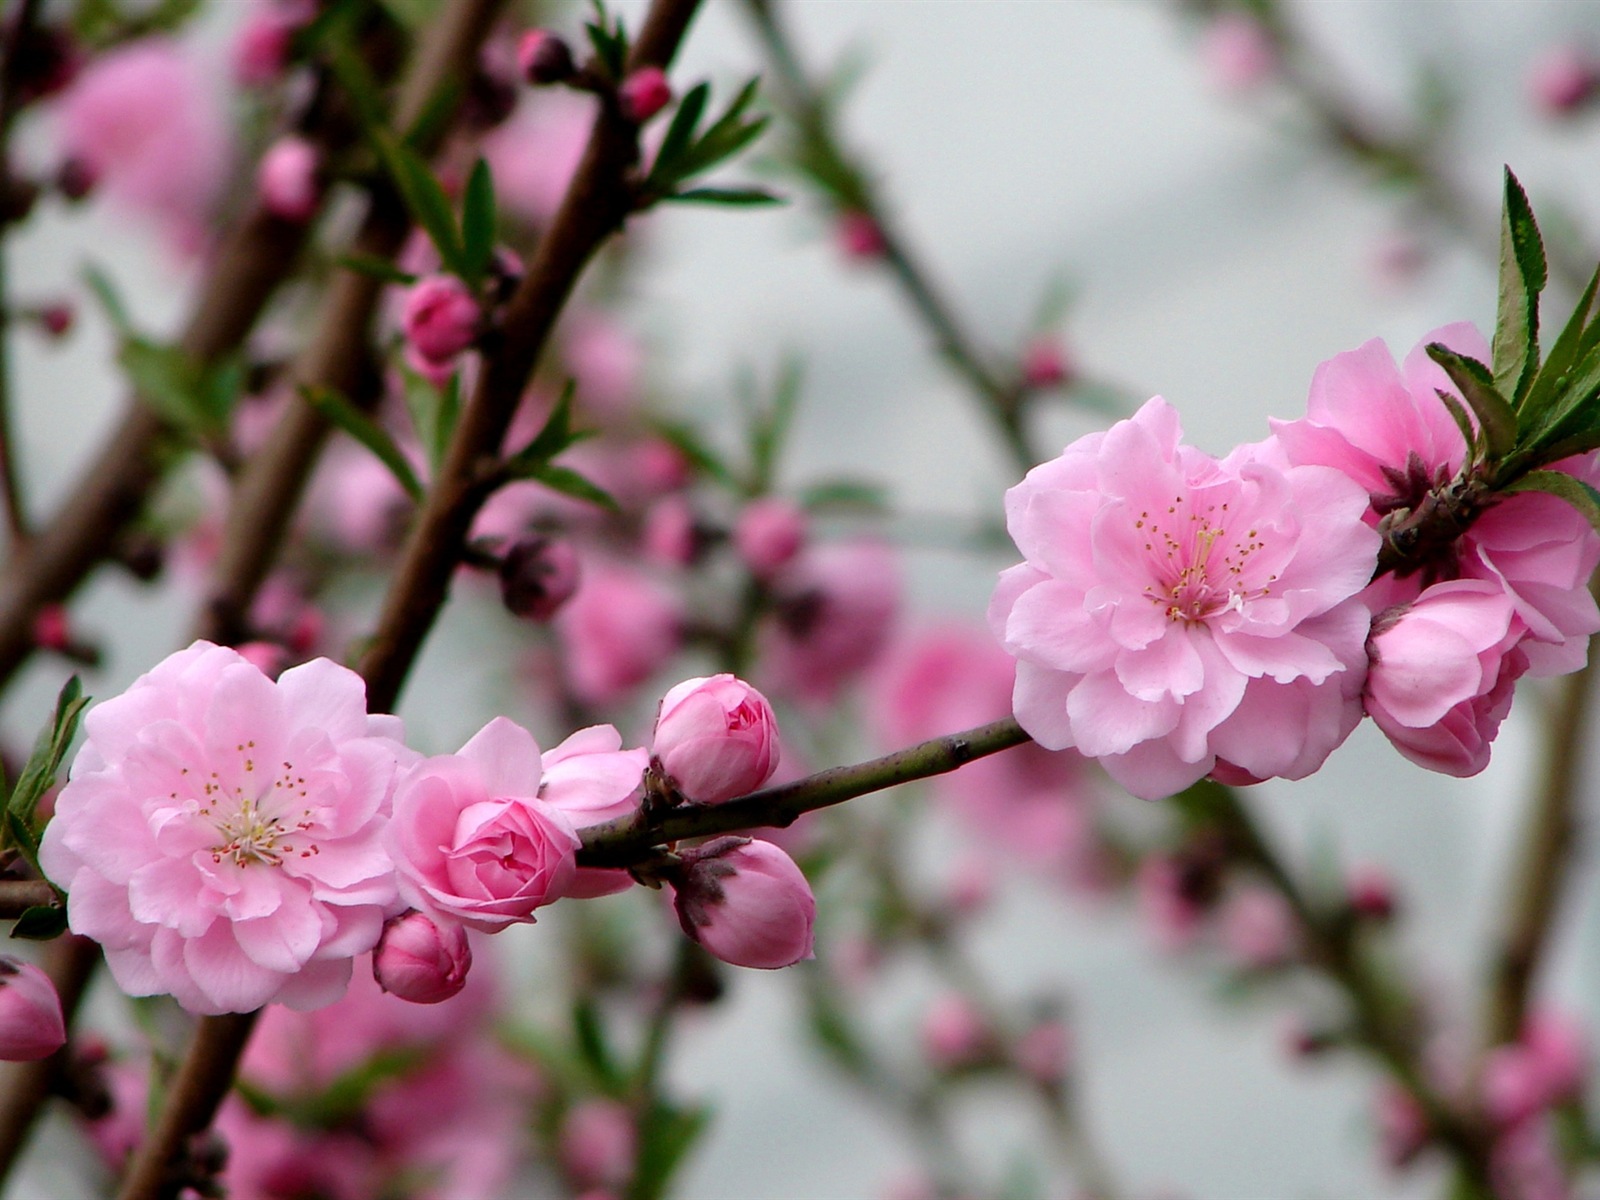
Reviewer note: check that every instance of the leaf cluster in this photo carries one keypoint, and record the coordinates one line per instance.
(42, 921)
(687, 151)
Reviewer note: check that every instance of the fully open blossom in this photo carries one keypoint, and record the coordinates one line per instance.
(716, 738)
(590, 779)
(1442, 672)
(471, 839)
(221, 835)
(1385, 427)
(1177, 613)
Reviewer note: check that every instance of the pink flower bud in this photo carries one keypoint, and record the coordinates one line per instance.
(643, 94)
(1563, 79)
(1442, 674)
(716, 738)
(52, 629)
(1258, 929)
(56, 319)
(1044, 1052)
(1238, 53)
(953, 1033)
(599, 1144)
(1402, 1125)
(769, 533)
(31, 1025)
(543, 58)
(669, 535)
(440, 318)
(859, 236)
(746, 902)
(1371, 892)
(287, 179)
(1045, 363)
(537, 576)
(420, 960)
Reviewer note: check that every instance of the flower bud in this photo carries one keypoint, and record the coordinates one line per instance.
(537, 576)
(643, 94)
(746, 902)
(75, 178)
(440, 318)
(953, 1033)
(421, 960)
(1238, 52)
(859, 236)
(1045, 363)
(56, 319)
(716, 738)
(52, 629)
(769, 533)
(31, 1024)
(599, 1144)
(287, 179)
(1044, 1052)
(1563, 79)
(1371, 892)
(544, 58)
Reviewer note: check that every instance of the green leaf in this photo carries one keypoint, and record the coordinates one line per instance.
(39, 773)
(378, 268)
(425, 199)
(41, 922)
(478, 224)
(589, 1035)
(570, 483)
(433, 122)
(679, 137)
(666, 1135)
(21, 837)
(1572, 410)
(730, 197)
(1564, 487)
(770, 428)
(554, 436)
(704, 459)
(1564, 354)
(851, 494)
(1495, 417)
(1462, 418)
(368, 432)
(110, 300)
(1522, 277)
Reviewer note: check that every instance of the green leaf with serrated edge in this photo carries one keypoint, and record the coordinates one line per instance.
(729, 197)
(1573, 410)
(104, 291)
(478, 223)
(1462, 418)
(424, 198)
(368, 432)
(41, 923)
(1577, 443)
(569, 483)
(666, 1135)
(1564, 487)
(1495, 417)
(22, 839)
(1515, 353)
(664, 173)
(381, 269)
(39, 773)
(1549, 384)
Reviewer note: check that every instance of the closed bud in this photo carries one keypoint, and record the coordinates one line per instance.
(287, 179)
(746, 902)
(544, 58)
(716, 738)
(1045, 363)
(643, 94)
(860, 236)
(75, 179)
(537, 576)
(954, 1033)
(31, 1024)
(419, 960)
(599, 1144)
(440, 318)
(56, 319)
(1044, 1052)
(1371, 892)
(768, 534)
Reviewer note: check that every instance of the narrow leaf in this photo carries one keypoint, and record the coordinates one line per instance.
(38, 774)
(1564, 354)
(478, 223)
(425, 199)
(378, 268)
(368, 432)
(110, 300)
(41, 923)
(664, 174)
(1564, 487)
(570, 483)
(1495, 417)
(1522, 277)
(731, 197)
(553, 437)
(1463, 420)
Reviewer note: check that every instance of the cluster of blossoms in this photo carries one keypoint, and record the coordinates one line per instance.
(234, 840)
(1179, 616)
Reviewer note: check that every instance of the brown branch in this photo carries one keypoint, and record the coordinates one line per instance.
(595, 206)
(632, 839)
(17, 895)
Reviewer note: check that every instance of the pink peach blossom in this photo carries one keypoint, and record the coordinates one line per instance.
(746, 902)
(470, 838)
(420, 959)
(1386, 428)
(1238, 52)
(221, 835)
(31, 1024)
(768, 534)
(953, 1032)
(644, 93)
(1176, 612)
(591, 779)
(618, 630)
(287, 179)
(1257, 928)
(535, 152)
(836, 606)
(716, 738)
(1563, 78)
(599, 1143)
(440, 318)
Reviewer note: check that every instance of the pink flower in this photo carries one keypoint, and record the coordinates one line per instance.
(1044, 1052)
(1176, 612)
(1442, 674)
(421, 960)
(836, 605)
(287, 179)
(1257, 928)
(221, 835)
(470, 838)
(440, 318)
(1238, 52)
(746, 902)
(1370, 891)
(142, 124)
(953, 1033)
(716, 738)
(768, 534)
(261, 47)
(1548, 1064)
(543, 58)
(1403, 1128)
(599, 1143)
(620, 629)
(538, 575)
(590, 779)
(1562, 79)
(670, 536)
(31, 1024)
(643, 94)
(859, 236)
(1387, 429)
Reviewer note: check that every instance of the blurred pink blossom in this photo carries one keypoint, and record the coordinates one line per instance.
(617, 631)
(535, 152)
(287, 179)
(1238, 52)
(836, 605)
(1563, 78)
(769, 533)
(599, 1143)
(953, 1033)
(1257, 928)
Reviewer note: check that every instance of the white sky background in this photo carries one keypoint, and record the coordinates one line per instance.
(1217, 263)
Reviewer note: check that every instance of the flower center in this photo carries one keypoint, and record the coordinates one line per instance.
(258, 829)
(1199, 565)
